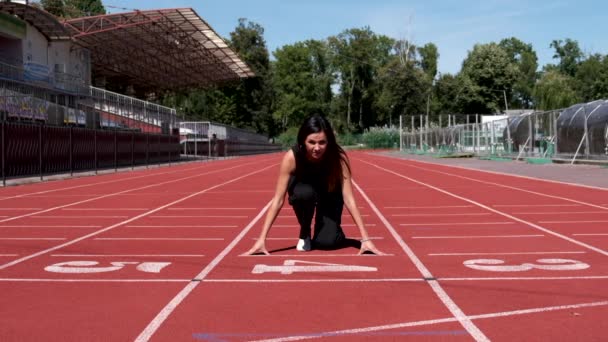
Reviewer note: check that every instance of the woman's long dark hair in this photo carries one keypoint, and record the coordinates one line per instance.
(334, 155)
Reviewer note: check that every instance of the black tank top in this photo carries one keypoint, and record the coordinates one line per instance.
(309, 172)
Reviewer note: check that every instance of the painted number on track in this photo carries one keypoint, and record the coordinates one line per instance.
(497, 265)
(289, 267)
(92, 266)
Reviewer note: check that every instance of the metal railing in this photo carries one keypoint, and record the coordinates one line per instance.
(572, 134)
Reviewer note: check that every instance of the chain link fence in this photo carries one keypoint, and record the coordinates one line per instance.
(576, 133)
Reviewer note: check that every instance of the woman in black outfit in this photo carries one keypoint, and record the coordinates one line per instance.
(316, 175)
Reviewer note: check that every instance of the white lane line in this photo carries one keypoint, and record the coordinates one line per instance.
(591, 234)
(545, 230)
(535, 205)
(174, 226)
(15, 262)
(297, 225)
(158, 239)
(561, 212)
(503, 253)
(33, 239)
(99, 183)
(293, 239)
(502, 174)
(439, 215)
(198, 216)
(212, 208)
(116, 193)
(322, 280)
(129, 255)
(293, 216)
(458, 314)
(31, 226)
(153, 326)
(579, 221)
(524, 278)
(304, 255)
(105, 209)
(432, 207)
(42, 280)
(573, 201)
(455, 224)
(477, 237)
(73, 217)
(9, 255)
(20, 209)
(433, 322)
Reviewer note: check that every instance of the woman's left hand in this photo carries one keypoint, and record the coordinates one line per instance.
(368, 246)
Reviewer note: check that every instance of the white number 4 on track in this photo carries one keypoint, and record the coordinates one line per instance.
(91, 266)
(496, 265)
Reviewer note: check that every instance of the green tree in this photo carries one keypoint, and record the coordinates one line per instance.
(302, 81)
(569, 54)
(67, 9)
(54, 7)
(486, 72)
(254, 95)
(446, 91)
(554, 90)
(524, 57)
(358, 54)
(592, 78)
(404, 90)
(429, 56)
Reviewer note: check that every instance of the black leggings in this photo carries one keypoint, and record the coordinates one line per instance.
(305, 199)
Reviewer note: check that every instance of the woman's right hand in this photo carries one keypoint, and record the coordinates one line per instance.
(258, 247)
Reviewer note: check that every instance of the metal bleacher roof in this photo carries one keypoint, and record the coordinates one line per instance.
(157, 49)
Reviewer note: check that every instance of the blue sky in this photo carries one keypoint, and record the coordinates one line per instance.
(454, 26)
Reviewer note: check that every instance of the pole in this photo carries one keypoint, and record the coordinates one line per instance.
(400, 133)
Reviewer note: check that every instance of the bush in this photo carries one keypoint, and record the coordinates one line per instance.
(379, 137)
(348, 139)
(288, 138)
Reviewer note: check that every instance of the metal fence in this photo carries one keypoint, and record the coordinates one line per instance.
(579, 132)
(39, 150)
(210, 140)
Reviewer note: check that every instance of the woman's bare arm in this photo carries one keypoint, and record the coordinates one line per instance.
(351, 206)
(288, 166)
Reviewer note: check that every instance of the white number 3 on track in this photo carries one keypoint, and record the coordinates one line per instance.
(496, 265)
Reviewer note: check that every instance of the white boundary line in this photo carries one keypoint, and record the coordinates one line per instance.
(50, 280)
(497, 172)
(158, 239)
(14, 262)
(440, 215)
(117, 193)
(33, 239)
(598, 221)
(106, 182)
(455, 224)
(499, 253)
(478, 236)
(129, 255)
(513, 187)
(460, 316)
(433, 322)
(155, 324)
(545, 230)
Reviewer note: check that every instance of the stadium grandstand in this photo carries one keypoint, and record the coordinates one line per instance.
(48, 69)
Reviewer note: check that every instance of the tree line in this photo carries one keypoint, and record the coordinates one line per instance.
(361, 79)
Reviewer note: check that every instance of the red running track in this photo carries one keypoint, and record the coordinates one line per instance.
(157, 255)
